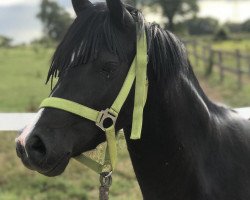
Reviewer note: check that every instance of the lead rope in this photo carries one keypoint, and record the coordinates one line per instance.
(106, 182)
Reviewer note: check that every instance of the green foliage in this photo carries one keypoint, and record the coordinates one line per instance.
(238, 27)
(5, 41)
(234, 27)
(202, 26)
(246, 26)
(181, 29)
(55, 19)
(173, 8)
(222, 34)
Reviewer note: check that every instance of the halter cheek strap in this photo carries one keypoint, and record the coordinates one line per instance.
(137, 73)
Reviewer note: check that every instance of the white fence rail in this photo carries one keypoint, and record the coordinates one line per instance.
(17, 121)
(244, 112)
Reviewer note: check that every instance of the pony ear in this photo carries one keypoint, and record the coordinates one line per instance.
(119, 14)
(79, 5)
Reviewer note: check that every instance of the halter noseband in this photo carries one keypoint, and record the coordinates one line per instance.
(137, 73)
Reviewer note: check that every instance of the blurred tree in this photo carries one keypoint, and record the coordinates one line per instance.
(246, 26)
(222, 33)
(5, 41)
(234, 27)
(172, 8)
(54, 18)
(202, 26)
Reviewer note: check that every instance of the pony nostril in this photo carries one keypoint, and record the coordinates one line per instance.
(37, 145)
(19, 149)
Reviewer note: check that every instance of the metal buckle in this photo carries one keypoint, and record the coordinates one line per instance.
(103, 115)
(106, 179)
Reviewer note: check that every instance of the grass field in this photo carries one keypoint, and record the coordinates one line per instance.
(240, 42)
(228, 90)
(23, 72)
(231, 45)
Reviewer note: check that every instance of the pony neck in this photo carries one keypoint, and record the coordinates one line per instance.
(162, 157)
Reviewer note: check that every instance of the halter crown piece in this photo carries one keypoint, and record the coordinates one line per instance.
(137, 73)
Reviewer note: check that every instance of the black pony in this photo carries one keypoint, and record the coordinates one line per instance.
(190, 148)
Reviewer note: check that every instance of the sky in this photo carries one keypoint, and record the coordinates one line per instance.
(226, 10)
(18, 17)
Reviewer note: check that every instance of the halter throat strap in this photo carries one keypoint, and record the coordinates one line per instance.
(138, 74)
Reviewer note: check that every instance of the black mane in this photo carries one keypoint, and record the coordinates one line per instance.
(89, 32)
(93, 28)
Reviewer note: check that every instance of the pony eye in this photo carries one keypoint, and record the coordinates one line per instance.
(108, 69)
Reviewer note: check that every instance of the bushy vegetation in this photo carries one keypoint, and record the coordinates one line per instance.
(222, 34)
(239, 27)
(5, 41)
(202, 26)
(246, 26)
(55, 20)
(210, 26)
(234, 27)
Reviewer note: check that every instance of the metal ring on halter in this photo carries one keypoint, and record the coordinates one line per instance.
(103, 116)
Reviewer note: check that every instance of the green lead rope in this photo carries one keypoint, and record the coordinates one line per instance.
(137, 73)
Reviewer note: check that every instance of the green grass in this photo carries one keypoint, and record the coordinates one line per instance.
(23, 72)
(232, 45)
(228, 90)
(240, 42)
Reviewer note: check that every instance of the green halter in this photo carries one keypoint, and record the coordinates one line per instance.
(137, 73)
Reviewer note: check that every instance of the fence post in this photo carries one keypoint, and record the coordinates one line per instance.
(220, 63)
(204, 55)
(210, 61)
(238, 65)
(195, 52)
(249, 65)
